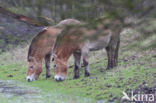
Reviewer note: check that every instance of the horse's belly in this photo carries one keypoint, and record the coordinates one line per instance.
(97, 46)
(100, 43)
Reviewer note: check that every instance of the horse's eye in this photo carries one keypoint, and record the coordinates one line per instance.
(55, 66)
(31, 67)
(52, 59)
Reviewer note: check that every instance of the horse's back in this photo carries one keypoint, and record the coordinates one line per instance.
(67, 22)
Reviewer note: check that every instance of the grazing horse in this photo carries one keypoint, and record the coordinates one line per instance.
(41, 47)
(79, 40)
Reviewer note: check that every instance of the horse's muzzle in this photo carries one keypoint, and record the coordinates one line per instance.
(30, 78)
(59, 78)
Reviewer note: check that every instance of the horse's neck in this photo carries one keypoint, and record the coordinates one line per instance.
(38, 57)
(65, 52)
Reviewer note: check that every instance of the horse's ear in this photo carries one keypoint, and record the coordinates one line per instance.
(53, 56)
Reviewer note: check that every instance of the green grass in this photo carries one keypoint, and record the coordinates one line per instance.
(101, 85)
(136, 67)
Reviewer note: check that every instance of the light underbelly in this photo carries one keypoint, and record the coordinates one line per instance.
(99, 43)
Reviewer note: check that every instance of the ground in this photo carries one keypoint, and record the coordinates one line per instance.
(136, 69)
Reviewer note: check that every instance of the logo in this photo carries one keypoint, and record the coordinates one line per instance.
(139, 97)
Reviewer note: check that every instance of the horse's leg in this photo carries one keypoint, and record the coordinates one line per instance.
(86, 64)
(110, 54)
(47, 65)
(116, 52)
(77, 58)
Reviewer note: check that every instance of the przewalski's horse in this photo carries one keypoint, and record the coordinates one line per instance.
(79, 40)
(41, 47)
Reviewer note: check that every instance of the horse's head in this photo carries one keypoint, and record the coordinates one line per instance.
(60, 69)
(34, 69)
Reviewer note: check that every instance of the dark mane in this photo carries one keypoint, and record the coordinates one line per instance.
(35, 39)
(29, 52)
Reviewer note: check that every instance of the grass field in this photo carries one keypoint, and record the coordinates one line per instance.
(136, 67)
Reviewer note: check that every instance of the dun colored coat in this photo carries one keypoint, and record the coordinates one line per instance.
(41, 47)
(79, 40)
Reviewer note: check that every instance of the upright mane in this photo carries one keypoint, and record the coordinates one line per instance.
(67, 22)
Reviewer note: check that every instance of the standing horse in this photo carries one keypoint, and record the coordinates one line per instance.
(41, 47)
(79, 40)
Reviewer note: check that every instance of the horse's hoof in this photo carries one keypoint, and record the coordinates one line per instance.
(48, 76)
(109, 68)
(76, 77)
(87, 74)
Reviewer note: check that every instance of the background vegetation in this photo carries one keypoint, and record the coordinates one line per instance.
(50, 12)
(137, 56)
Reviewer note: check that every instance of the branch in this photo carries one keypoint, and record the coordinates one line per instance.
(20, 17)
